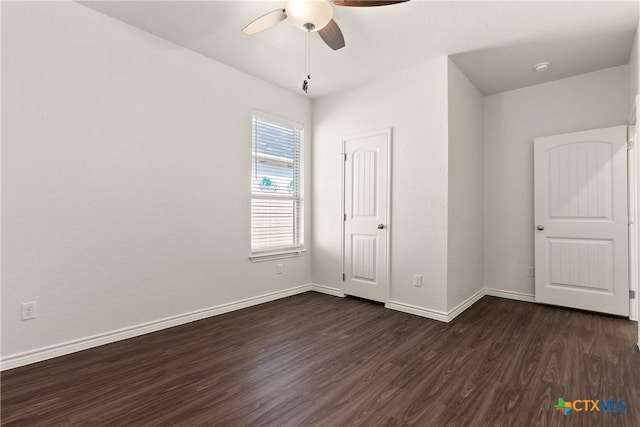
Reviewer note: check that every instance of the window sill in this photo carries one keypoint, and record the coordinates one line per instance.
(268, 256)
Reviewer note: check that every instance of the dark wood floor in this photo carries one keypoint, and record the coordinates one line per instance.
(314, 359)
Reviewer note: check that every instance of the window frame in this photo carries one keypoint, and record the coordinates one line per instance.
(297, 249)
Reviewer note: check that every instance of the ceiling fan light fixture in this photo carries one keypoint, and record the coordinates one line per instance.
(301, 13)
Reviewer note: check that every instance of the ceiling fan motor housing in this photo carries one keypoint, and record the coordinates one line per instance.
(309, 15)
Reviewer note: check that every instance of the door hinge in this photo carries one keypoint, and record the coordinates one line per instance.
(343, 277)
(630, 220)
(345, 157)
(345, 217)
(630, 144)
(632, 294)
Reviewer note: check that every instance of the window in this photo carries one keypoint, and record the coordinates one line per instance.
(276, 205)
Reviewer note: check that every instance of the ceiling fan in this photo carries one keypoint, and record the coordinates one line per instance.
(312, 16)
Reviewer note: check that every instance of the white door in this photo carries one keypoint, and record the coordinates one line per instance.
(581, 241)
(366, 215)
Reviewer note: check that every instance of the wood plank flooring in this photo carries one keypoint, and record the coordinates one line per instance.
(314, 359)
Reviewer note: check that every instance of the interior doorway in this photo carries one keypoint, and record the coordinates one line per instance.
(366, 215)
(581, 220)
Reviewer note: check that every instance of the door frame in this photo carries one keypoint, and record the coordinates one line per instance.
(343, 160)
(633, 159)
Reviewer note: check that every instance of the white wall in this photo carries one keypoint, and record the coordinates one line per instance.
(634, 70)
(414, 104)
(465, 263)
(512, 120)
(125, 171)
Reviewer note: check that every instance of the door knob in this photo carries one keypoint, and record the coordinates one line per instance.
(380, 226)
(540, 228)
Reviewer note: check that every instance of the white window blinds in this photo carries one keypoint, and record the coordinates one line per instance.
(275, 186)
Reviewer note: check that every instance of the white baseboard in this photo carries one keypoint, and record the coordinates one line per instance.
(633, 310)
(44, 353)
(326, 290)
(437, 314)
(509, 294)
(418, 311)
(458, 309)
(49, 352)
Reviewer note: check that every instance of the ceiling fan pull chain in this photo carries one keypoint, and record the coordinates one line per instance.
(307, 63)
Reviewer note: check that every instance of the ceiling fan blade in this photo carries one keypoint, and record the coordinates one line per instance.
(332, 35)
(366, 3)
(265, 21)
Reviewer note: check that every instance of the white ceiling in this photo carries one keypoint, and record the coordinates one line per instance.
(494, 43)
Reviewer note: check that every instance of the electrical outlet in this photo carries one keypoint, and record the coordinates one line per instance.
(279, 269)
(417, 280)
(28, 310)
(531, 271)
